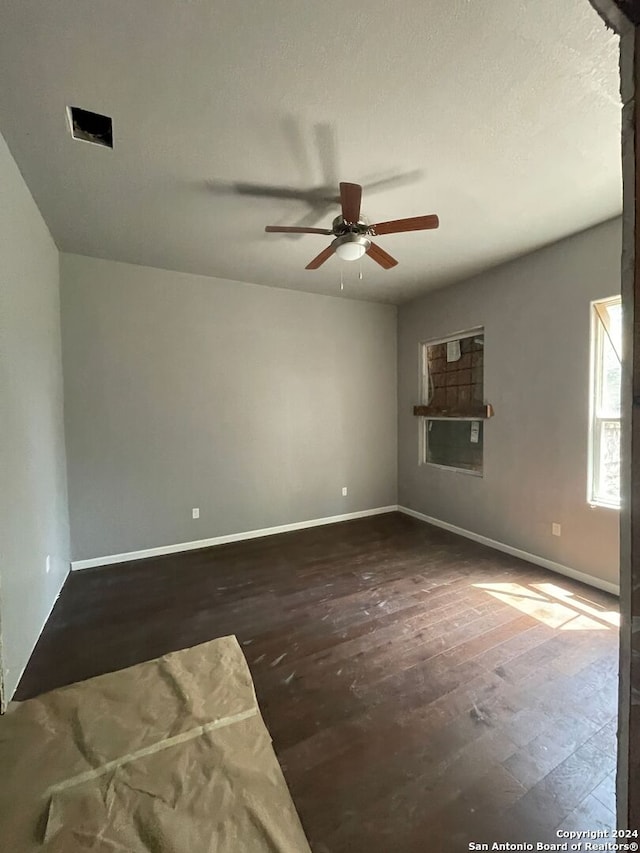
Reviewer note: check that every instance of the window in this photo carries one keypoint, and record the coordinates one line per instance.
(453, 388)
(606, 349)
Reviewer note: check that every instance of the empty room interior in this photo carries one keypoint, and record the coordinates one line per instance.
(310, 383)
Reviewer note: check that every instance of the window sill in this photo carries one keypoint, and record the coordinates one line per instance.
(472, 412)
(467, 471)
(603, 505)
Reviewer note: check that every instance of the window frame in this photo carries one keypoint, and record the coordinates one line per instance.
(597, 418)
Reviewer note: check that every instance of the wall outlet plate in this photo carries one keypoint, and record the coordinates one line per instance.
(556, 529)
(344, 491)
(195, 512)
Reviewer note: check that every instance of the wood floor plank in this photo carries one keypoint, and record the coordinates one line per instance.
(606, 792)
(551, 800)
(591, 814)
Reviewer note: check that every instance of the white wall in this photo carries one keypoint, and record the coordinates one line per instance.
(33, 495)
(255, 404)
(535, 312)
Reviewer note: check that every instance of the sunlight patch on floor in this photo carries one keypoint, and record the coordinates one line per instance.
(585, 605)
(553, 606)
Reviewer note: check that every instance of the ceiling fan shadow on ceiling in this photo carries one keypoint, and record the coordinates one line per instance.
(313, 150)
(320, 199)
(352, 234)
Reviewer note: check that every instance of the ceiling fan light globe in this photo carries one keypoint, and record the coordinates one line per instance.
(350, 251)
(351, 247)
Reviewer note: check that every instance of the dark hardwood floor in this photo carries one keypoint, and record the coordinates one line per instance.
(422, 691)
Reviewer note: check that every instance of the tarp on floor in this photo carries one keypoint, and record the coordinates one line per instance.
(169, 755)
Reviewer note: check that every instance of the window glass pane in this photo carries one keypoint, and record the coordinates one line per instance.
(457, 444)
(608, 462)
(609, 380)
(453, 374)
(614, 310)
(605, 404)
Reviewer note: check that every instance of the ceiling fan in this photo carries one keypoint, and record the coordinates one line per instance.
(353, 235)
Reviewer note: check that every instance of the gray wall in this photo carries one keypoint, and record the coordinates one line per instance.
(254, 404)
(34, 522)
(535, 312)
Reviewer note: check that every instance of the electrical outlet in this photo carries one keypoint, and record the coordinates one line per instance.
(344, 491)
(47, 565)
(195, 512)
(556, 529)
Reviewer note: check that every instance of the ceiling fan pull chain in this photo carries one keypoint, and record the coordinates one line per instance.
(341, 278)
(360, 270)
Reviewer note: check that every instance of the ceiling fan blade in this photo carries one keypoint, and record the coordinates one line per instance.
(381, 257)
(350, 197)
(295, 229)
(324, 255)
(414, 223)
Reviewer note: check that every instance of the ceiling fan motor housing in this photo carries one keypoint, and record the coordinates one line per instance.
(340, 226)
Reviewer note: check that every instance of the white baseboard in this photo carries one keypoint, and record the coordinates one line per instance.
(332, 519)
(221, 540)
(606, 586)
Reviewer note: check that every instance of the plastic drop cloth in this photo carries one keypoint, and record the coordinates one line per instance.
(169, 756)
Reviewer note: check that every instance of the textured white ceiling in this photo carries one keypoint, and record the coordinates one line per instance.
(503, 116)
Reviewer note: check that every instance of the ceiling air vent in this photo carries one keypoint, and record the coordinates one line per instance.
(90, 127)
